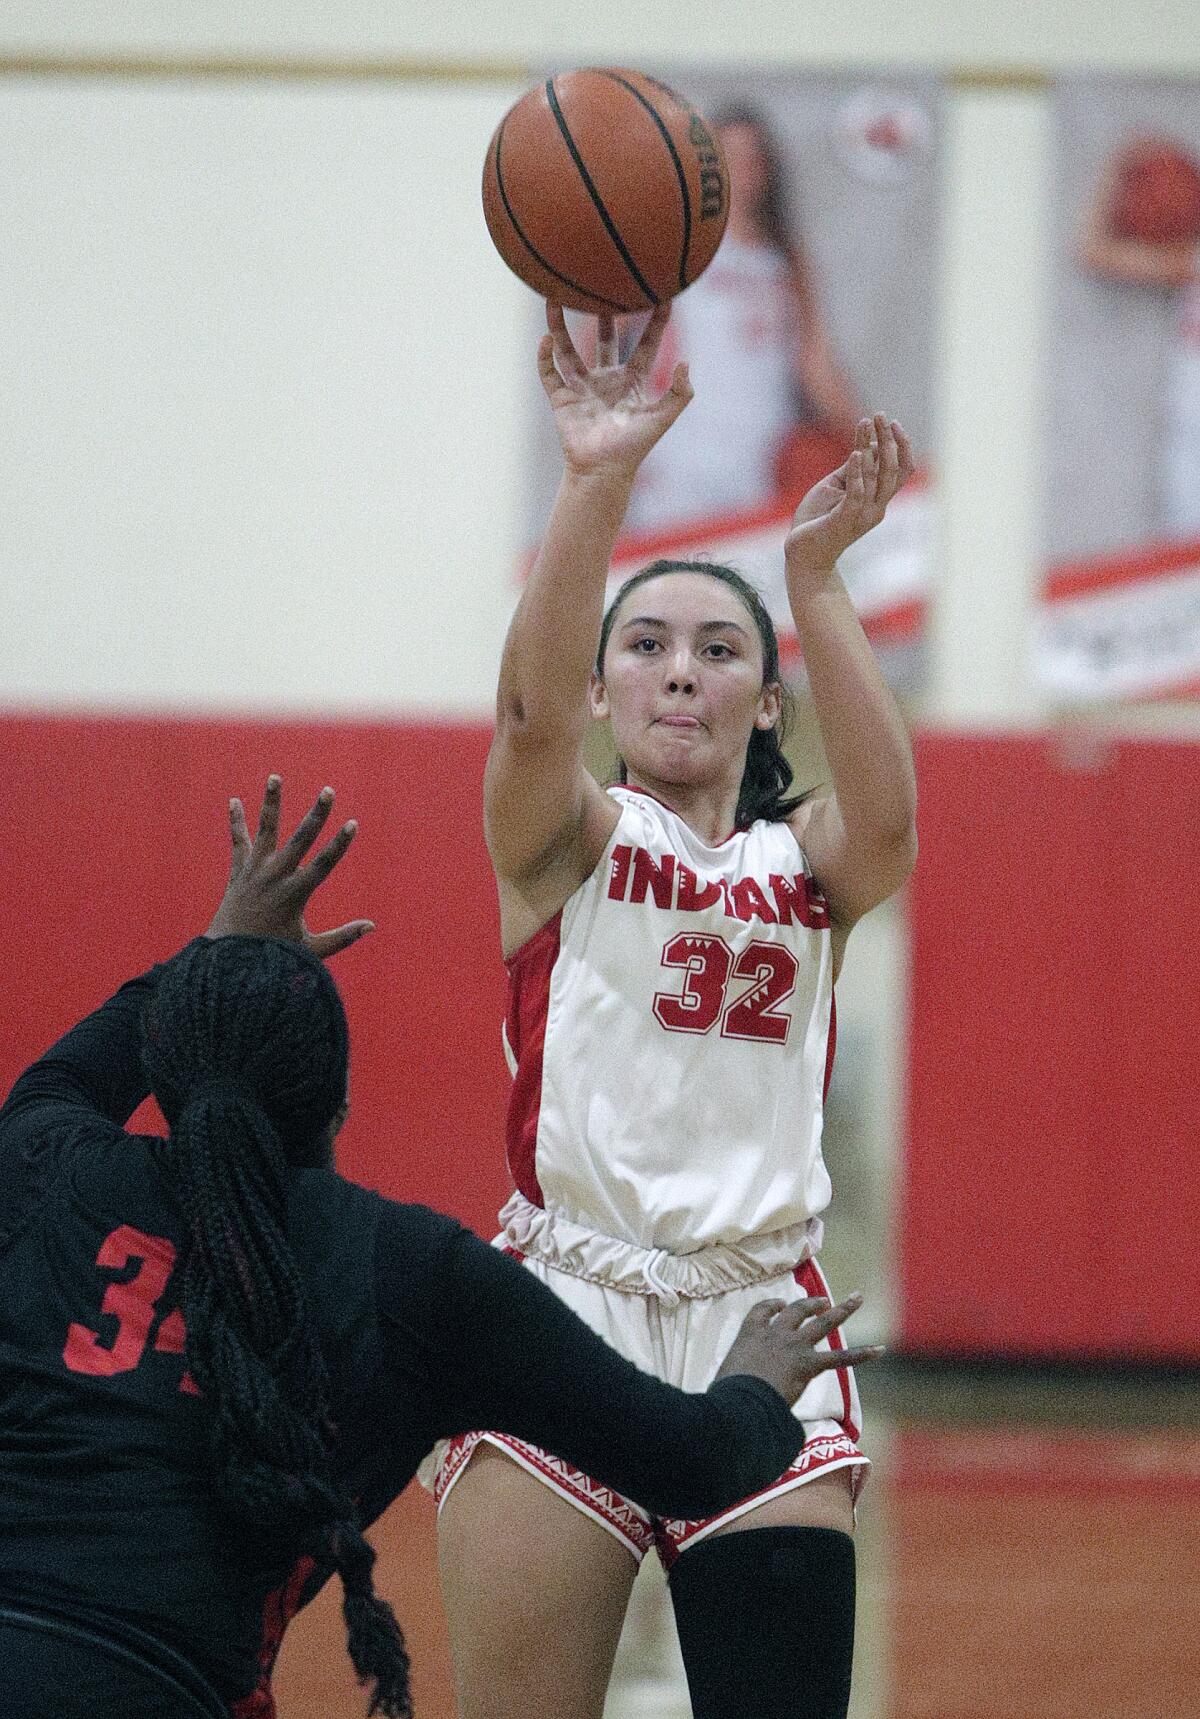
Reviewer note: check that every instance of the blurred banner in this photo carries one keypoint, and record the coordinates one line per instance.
(818, 307)
(1122, 627)
(1122, 535)
(815, 310)
(886, 573)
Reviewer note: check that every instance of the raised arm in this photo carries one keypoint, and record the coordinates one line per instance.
(545, 819)
(93, 1071)
(861, 839)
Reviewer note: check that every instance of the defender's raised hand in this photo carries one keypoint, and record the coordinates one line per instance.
(846, 505)
(778, 1343)
(269, 888)
(608, 417)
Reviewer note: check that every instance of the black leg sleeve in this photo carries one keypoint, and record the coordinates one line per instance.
(766, 1623)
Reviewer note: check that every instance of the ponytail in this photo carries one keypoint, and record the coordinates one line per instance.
(246, 1050)
(767, 775)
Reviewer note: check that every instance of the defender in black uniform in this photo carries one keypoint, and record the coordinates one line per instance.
(219, 1360)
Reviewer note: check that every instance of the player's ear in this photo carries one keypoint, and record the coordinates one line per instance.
(597, 696)
(770, 703)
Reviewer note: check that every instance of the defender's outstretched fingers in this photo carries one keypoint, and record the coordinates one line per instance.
(320, 866)
(327, 943)
(797, 1312)
(762, 1314)
(239, 836)
(824, 1323)
(833, 1360)
(268, 817)
(306, 831)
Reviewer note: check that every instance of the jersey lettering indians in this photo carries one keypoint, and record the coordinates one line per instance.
(670, 1033)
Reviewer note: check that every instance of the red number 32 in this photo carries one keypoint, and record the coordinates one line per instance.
(708, 965)
(133, 1304)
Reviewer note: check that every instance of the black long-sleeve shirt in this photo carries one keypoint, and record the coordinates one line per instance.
(106, 1512)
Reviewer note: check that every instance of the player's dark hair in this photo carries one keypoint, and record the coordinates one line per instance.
(767, 775)
(246, 1049)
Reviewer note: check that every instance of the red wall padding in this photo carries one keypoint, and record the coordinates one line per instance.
(117, 853)
(1051, 1191)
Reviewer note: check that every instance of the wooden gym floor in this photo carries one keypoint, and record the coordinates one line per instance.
(1027, 1550)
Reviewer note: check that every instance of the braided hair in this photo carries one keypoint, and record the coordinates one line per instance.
(767, 775)
(246, 1049)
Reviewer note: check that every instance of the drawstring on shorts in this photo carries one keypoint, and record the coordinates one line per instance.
(650, 1271)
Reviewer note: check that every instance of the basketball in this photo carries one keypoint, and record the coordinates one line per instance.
(605, 190)
(1158, 195)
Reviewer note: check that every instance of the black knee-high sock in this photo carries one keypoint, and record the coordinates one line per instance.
(766, 1623)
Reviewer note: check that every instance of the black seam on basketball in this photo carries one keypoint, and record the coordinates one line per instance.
(679, 172)
(609, 223)
(529, 245)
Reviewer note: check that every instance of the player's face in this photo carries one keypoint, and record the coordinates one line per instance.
(683, 682)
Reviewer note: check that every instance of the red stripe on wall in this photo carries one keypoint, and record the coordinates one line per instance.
(117, 852)
(1053, 1086)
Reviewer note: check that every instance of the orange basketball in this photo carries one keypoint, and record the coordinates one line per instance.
(605, 190)
(1158, 194)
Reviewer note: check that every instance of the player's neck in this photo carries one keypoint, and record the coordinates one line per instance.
(708, 810)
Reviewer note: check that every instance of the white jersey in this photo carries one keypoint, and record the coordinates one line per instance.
(670, 1033)
(738, 329)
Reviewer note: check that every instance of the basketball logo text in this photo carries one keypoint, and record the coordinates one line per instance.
(712, 182)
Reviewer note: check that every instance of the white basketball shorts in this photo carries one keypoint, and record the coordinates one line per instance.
(675, 1316)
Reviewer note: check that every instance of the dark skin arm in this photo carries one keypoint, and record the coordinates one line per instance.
(524, 1364)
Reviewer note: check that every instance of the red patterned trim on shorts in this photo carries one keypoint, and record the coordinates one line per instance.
(457, 1454)
(617, 1514)
(812, 1281)
(673, 1534)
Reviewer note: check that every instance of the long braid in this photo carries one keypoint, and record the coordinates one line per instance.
(246, 1050)
(767, 775)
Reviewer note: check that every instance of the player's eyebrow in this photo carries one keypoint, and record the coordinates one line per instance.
(704, 627)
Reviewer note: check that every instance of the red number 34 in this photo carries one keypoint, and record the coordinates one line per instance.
(133, 1304)
(708, 965)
